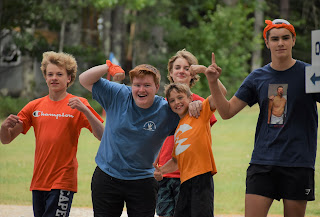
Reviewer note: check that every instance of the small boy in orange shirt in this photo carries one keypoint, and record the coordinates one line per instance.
(192, 153)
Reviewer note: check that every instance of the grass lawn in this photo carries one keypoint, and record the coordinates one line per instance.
(232, 146)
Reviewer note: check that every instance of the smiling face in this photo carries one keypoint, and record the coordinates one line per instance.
(180, 71)
(144, 90)
(280, 42)
(57, 78)
(179, 102)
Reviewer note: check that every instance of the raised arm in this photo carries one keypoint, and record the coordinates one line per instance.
(197, 69)
(227, 109)
(10, 129)
(96, 125)
(92, 75)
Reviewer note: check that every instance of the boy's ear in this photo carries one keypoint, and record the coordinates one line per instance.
(266, 42)
(294, 41)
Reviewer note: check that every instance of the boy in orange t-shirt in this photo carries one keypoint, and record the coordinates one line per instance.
(192, 154)
(57, 120)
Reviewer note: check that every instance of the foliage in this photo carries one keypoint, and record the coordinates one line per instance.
(31, 44)
(10, 105)
(86, 54)
(200, 26)
(226, 31)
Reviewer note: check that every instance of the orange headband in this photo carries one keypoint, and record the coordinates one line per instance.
(271, 25)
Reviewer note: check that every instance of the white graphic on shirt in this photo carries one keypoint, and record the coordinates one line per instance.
(37, 114)
(181, 148)
(150, 126)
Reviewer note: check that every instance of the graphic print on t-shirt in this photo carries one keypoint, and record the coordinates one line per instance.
(181, 148)
(277, 107)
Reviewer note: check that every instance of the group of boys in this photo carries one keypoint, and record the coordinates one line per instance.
(138, 122)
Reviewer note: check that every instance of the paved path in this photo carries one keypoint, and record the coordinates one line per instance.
(26, 211)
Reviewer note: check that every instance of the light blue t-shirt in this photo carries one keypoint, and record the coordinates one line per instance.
(133, 136)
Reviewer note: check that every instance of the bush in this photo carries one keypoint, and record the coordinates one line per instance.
(10, 105)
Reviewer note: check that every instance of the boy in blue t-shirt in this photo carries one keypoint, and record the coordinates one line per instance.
(138, 121)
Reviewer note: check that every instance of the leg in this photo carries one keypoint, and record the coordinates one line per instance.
(297, 185)
(294, 208)
(202, 196)
(38, 202)
(257, 206)
(141, 197)
(58, 203)
(106, 195)
(167, 196)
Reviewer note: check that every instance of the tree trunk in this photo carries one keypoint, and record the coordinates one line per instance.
(258, 23)
(106, 31)
(62, 31)
(118, 31)
(284, 9)
(230, 2)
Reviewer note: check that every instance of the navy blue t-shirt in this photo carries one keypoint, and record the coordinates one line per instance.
(292, 143)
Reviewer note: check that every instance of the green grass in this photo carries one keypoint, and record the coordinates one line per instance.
(232, 146)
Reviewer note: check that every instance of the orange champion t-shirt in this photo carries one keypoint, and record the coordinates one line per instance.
(192, 147)
(57, 129)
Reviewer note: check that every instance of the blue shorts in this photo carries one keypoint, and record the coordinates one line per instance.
(196, 197)
(291, 183)
(167, 196)
(109, 195)
(52, 203)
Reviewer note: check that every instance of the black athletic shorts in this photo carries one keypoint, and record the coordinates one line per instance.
(276, 182)
(196, 197)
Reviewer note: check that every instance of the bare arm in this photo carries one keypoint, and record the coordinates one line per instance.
(169, 167)
(10, 129)
(96, 125)
(227, 109)
(92, 75)
(197, 69)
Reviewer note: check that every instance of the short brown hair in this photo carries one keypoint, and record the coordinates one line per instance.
(64, 60)
(180, 88)
(191, 59)
(145, 69)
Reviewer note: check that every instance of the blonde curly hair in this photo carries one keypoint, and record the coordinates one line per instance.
(64, 60)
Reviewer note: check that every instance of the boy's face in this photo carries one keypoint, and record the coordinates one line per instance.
(57, 78)
(280, 43)
(143, 91)
(180, 71)
(179, 103)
